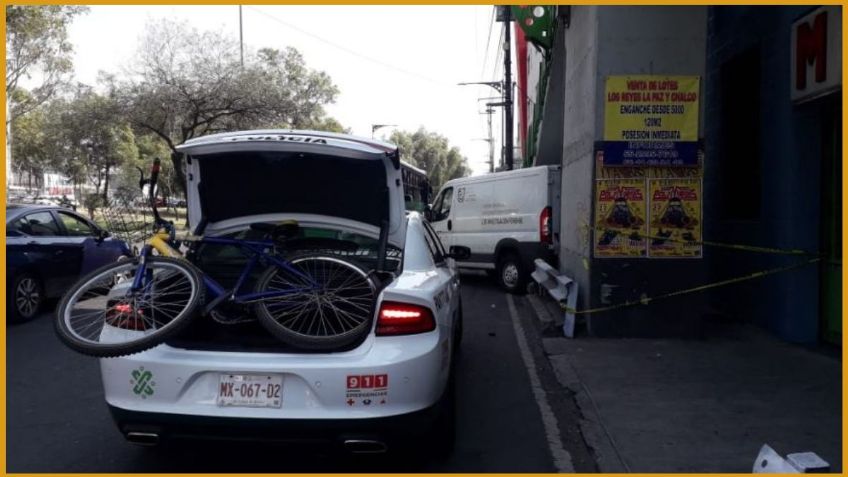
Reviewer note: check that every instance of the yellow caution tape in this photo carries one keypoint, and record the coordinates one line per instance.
(729, 281)
(748, 248)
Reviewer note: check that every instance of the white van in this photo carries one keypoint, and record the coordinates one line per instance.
(507, 219)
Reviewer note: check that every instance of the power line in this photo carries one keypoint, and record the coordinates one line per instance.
(498, 63)
(488, 42)
(348, 50)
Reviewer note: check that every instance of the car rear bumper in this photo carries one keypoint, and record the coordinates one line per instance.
(162, 427)
(314, 386)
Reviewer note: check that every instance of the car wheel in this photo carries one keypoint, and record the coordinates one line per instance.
(511, 275)
(26, 298)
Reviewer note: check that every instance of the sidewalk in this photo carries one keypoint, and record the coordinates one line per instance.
(668, 405)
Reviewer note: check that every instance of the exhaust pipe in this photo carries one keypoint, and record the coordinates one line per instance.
(148, 439)
(365, 446)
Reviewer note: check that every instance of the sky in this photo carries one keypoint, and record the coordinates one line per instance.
(393, 64)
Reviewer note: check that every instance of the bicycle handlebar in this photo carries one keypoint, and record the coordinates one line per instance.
(158, 220)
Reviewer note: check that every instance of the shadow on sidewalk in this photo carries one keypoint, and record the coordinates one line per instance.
(707, 405)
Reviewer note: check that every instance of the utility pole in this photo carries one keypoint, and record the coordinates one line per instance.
(497, 86)
(489, 112)
(507, 88)
(241, 38)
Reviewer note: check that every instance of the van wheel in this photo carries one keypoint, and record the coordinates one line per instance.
(511, 274)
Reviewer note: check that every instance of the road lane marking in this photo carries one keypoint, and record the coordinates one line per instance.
(561, 457)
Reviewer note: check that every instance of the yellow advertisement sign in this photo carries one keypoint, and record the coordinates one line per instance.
(675, 217)
(652, 108)
(620, 208)
(651, 120)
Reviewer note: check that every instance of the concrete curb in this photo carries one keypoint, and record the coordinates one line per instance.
(594, 432)
(557, 351)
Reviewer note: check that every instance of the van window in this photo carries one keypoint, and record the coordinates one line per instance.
(444, 205)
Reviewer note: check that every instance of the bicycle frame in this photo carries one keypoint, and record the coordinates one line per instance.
(255, 248)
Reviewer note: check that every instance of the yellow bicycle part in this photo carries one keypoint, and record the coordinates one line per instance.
(159, 241)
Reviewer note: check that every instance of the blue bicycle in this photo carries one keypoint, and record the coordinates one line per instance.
(310, 301)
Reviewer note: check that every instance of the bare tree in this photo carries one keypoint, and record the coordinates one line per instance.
(188, 83)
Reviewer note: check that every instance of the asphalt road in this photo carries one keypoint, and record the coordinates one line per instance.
(58, 421)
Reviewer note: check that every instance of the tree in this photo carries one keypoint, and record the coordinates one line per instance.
(33, 149)
(294, 94)
(327, 124)
(430, 151)
(93, 140)
(189, 83)
(37, 45)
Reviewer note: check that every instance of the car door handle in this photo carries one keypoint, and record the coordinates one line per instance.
(58, 252)
(450, 225)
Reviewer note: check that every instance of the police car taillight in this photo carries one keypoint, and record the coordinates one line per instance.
(397, 318)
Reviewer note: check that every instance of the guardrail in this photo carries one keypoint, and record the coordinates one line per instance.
(561, 288)
(770, 462)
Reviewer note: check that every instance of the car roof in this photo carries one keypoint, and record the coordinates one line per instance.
(271, 136)
(28, 207)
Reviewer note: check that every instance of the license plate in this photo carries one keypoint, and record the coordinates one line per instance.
(250, 390)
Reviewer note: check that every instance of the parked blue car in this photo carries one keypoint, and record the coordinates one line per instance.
(47, 249)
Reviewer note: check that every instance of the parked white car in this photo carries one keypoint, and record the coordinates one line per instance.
(227, 377)
(507, 219)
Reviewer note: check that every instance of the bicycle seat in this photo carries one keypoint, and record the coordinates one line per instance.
(284, 230)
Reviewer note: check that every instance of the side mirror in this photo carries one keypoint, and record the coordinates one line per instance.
(102, 235)
(459, 252)
(428, 213)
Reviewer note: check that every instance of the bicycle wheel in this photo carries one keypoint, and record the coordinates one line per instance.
(333, 311)
(101, 315)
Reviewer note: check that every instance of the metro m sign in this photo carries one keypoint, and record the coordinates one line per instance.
(816, 63)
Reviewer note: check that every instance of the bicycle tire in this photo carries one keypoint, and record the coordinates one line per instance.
(354, 302)
(72, 337)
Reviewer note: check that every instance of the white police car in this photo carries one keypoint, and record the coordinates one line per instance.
(224, 376)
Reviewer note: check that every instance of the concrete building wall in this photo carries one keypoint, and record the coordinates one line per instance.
(602, 41)
(580, 109)
(796, 145)
(650, 41)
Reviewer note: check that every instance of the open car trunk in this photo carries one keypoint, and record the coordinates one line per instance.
(345, 193)
(278, 173)
(225, 263)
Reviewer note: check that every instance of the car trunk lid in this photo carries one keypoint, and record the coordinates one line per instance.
(323, 177)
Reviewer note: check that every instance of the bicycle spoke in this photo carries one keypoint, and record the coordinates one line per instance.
(98, 313)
